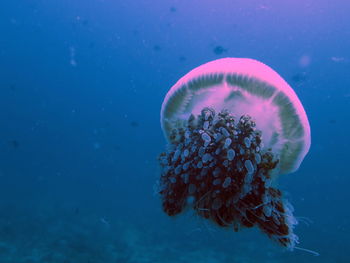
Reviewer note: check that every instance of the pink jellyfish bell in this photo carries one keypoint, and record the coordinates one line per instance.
(233, 125)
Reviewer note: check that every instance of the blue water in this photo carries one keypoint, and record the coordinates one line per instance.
(82, 84)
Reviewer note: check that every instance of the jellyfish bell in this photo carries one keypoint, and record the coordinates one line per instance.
(244, 86)
(232, 126)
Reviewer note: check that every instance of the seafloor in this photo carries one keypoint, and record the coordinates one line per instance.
(79, 236)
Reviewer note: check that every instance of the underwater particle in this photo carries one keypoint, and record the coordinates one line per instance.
(116, 147)
(14, 143)
(134, 124)
(232, 176)
(299, 77)
(77, 210)
(105, 222)
(172, 9)
(219, 50)
(182, 58)
(338, 59)
(157, 48)
(96, 145)
(304, 61)
(72, 54)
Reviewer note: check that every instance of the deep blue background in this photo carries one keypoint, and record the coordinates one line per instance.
(81, 86)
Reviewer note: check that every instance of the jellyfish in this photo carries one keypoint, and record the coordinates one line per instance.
(233, 126)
